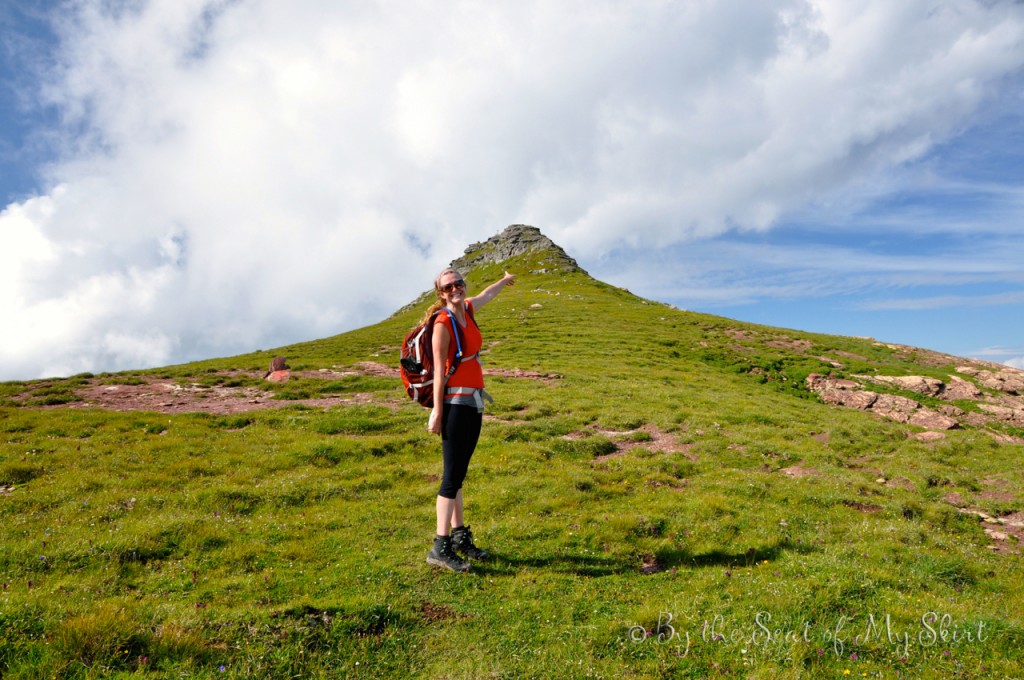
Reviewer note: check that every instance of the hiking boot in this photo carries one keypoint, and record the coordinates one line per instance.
(442, 555)
(462, 541)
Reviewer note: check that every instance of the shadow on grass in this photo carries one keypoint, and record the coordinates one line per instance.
(580, 565)
(673, 558)
(662, 560)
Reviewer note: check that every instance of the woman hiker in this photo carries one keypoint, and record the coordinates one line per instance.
(458, 410)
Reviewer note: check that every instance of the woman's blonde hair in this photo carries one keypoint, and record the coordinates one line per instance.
(439, 303)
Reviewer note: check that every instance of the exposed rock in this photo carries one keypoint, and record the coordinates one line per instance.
(515, 240)
(1004, 379)
(1013, 415)
(278, 370)
(895, 408)
(1006, 439)
(996, 535)
(912, 383)
(849, 393)
(974, 419)
(958, 388)
(931, 420)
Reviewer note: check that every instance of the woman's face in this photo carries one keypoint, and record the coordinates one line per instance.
(450, 292)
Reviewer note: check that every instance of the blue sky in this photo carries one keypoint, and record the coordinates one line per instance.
(193, 178)
(22, 123)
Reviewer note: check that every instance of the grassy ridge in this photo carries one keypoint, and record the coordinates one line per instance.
(291, 542)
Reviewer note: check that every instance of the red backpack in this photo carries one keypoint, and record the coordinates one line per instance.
(417, 363)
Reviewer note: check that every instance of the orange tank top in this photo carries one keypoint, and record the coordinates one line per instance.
(470, 372)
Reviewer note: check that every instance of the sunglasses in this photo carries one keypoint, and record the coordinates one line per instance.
(449, 287)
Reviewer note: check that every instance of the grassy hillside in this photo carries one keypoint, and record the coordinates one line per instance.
(664, 495)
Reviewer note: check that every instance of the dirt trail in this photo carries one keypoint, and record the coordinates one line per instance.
(163, 395)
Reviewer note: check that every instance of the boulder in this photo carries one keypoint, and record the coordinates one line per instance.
(840, 392)
(278, 371)
(1013, 415)
(918, 383)
(930, 420)
(958, 388)
(895, 408)
(1009, 380)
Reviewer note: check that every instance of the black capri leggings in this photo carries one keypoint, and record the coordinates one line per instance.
(460, 430)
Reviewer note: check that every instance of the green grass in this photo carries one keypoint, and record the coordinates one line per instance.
(291, 542)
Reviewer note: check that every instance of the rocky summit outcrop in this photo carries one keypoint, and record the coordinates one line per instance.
(515, 240)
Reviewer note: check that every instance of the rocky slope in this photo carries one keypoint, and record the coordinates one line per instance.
(976, 394)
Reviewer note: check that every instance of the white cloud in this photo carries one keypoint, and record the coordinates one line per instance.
(1008, 356)
(237, 175)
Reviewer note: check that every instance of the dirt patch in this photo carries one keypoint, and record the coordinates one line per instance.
(738, 334)
(996, 490)
(999, 496)
(432, 612)
(1006, 533)
(519, 373)
(678, 485)
(797, 471)
(164, 396)
(955, 499)
(786, 343)
(170, 396)
(650, 565)
(374, 368)
(626, 440)
(900, 483)
(929, 436)
(866, 508)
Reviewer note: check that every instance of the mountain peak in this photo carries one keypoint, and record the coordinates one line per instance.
(514, 240)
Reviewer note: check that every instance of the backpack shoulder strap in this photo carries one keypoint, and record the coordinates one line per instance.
(458, 336)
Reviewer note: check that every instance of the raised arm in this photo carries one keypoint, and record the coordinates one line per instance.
(491, 291)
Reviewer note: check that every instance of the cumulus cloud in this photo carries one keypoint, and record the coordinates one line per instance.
(235, 175)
